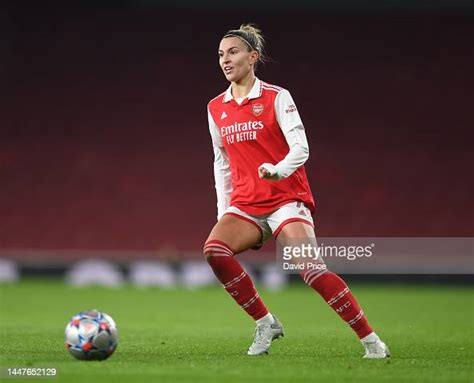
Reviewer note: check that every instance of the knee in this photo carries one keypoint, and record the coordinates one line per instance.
(312, 275)
(216, 248)
(207, 252)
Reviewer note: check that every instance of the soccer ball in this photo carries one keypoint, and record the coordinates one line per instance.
(91, 335)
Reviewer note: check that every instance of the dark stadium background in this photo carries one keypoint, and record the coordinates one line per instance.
(104, 144)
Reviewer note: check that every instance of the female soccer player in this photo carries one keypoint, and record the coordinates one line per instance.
(260, 147)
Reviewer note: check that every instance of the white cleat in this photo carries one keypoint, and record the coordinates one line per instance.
(264, 335)
(375, 348)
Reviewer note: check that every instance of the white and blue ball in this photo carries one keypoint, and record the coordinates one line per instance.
(91, 335)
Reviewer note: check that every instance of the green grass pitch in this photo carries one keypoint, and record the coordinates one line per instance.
(201, 335)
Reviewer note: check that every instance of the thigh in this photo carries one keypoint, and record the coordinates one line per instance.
(297, 230)
(298, 240)
(238, 234)
(297, 233)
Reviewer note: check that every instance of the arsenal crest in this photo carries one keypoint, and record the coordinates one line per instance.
(257, 109)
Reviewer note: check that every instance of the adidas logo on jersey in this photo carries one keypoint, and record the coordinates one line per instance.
(223, 115)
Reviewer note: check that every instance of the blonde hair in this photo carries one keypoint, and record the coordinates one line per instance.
(253, 38)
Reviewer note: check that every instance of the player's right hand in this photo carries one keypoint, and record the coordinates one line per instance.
(268, 172)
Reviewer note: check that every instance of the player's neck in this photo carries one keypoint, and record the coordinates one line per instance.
(242, 88)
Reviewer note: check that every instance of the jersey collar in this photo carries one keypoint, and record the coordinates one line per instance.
(255, 92)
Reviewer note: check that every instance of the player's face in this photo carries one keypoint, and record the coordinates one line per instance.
(235, 60)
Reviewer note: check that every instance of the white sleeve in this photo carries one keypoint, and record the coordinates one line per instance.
(222, 174)
(292, 127)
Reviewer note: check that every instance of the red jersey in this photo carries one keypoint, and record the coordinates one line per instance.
(253, 133)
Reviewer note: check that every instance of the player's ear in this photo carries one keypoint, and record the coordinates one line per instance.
(253, 57)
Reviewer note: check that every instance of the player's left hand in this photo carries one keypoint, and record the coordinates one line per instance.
(268, 172)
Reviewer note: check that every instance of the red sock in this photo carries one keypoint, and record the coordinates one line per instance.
(234, 278)
(337, 294)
